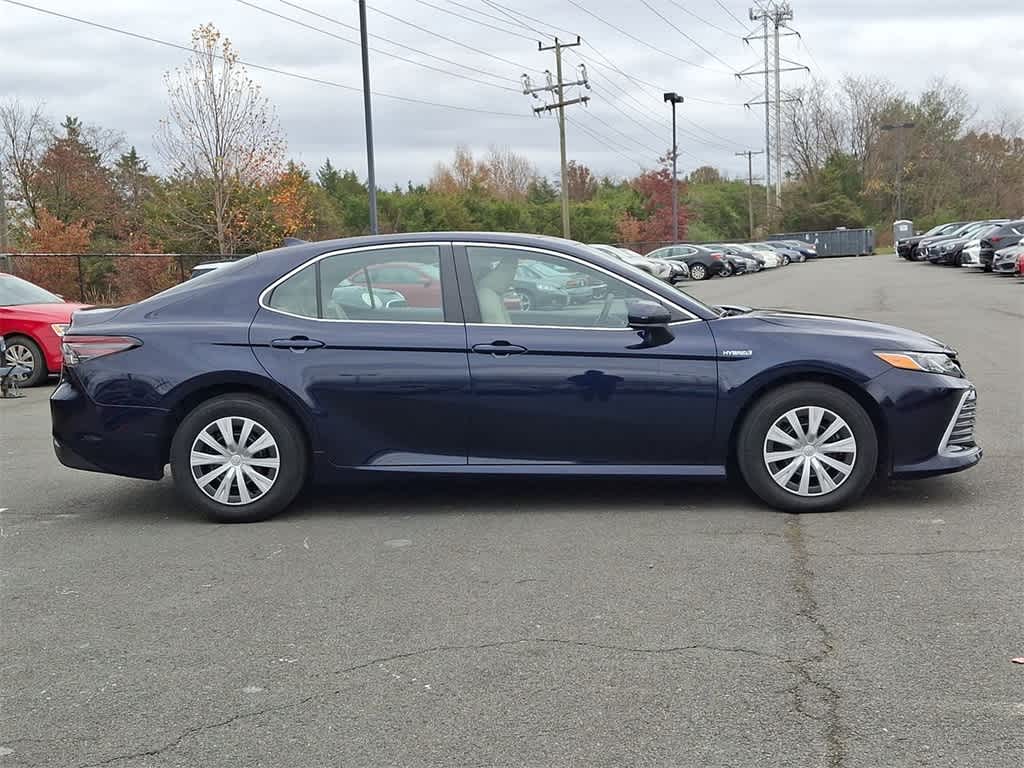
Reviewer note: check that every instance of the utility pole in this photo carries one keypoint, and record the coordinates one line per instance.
(749, 154)
(773, 15)
(899, 128)
(556, 86)
(674, 98)
(3, 217)
(371, 176)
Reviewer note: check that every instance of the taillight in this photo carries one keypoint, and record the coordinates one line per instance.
(996, 239)
(716, 256)
(79, 349)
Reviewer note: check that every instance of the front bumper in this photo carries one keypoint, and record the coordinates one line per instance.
(118, 440)
(929, 422)
(1005, 267)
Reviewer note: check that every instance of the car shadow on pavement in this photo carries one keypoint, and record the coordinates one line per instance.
(406, 494)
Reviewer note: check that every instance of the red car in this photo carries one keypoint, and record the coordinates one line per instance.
(420, 284)
(32, 320)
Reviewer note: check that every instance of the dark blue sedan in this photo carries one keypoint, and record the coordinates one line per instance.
(291, 366)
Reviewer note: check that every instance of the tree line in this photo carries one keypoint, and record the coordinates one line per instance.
(228, 187)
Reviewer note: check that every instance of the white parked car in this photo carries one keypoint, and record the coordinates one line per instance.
(663, 269)
(970, 256)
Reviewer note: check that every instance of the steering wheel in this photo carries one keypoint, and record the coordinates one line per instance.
(605, 310)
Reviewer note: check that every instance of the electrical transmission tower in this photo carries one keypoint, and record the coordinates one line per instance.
(774, 16)
(749, 154)
(556, 87)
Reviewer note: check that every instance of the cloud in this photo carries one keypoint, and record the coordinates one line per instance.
(117, 82)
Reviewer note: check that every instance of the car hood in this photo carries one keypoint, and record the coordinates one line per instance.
(887, 336)
(49, 313)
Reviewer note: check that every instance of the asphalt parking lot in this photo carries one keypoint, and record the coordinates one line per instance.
(523, 623)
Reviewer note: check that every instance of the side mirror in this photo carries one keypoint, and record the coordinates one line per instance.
(426, 282)
(647, 314)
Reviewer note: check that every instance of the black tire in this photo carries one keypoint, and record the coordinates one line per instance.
(774, 405)
(785, 260)
(25, 346)
(526, 301)
(726, 270)
(290, 449)
(699, 272)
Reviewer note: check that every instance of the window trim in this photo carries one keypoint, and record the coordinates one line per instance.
(689, 317)
(444, 251)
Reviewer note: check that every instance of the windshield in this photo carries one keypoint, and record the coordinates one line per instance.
(14, 292)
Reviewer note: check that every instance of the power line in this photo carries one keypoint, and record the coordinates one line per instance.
(451, 40)
(686, 10)
(262, 67)
(644, 43)
(734, 16)
(471, 68)
(474, 21)
(596, 137)
(376, 50)
(502, 17)
(664, 18)
(512, 13)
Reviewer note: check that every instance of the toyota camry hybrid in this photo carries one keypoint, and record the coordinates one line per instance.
(292, 366)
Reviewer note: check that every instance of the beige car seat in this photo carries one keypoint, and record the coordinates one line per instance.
(491, 290)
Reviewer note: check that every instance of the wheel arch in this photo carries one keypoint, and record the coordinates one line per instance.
(829, 378)
(197, 391)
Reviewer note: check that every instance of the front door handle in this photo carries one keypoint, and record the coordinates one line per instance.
(297, 343)
(498, 349)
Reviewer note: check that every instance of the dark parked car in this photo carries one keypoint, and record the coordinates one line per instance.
(249, 399)
(807, 249)
(701, 261)
(907, 247)
(934, 248)
(1003, 236)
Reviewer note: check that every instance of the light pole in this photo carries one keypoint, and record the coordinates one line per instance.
(674, 99)
(371, 180)
(899, 128)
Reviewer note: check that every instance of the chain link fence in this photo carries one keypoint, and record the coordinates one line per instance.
(105, 278)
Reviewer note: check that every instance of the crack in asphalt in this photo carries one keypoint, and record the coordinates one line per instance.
(188, 732)
(808, 609)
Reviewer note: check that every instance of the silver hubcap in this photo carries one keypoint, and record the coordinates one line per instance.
(19, 354)
(698, 272)
(810, 451)
(235, 460)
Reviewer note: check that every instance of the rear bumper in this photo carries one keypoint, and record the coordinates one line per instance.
(118, 440)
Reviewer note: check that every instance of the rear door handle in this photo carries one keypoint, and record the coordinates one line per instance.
(498, 349)
(297, 343)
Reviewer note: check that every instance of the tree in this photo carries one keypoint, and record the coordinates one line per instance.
(507, 175)
(25, 136)
(221, 132)
(706, 174)
(71, 183)
(655, 225)
(580, 181)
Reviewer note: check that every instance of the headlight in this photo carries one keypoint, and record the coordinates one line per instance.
(546, 287)
(930, 362)
(59, 328)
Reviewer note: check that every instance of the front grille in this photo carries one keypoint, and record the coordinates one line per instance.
(961, 434)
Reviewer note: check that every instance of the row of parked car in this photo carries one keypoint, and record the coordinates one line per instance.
(687, 261)
(994, 245)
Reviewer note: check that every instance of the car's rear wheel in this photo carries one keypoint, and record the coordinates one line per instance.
(785, 260)
(698, 272)
(22, 351)
(238, 458)
(526, 302)
(807, 448)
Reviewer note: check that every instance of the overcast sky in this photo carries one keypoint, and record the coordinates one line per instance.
(115, 81)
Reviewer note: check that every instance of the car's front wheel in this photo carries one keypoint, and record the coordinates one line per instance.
(22, 351)
(238, 458)
(807, 448)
